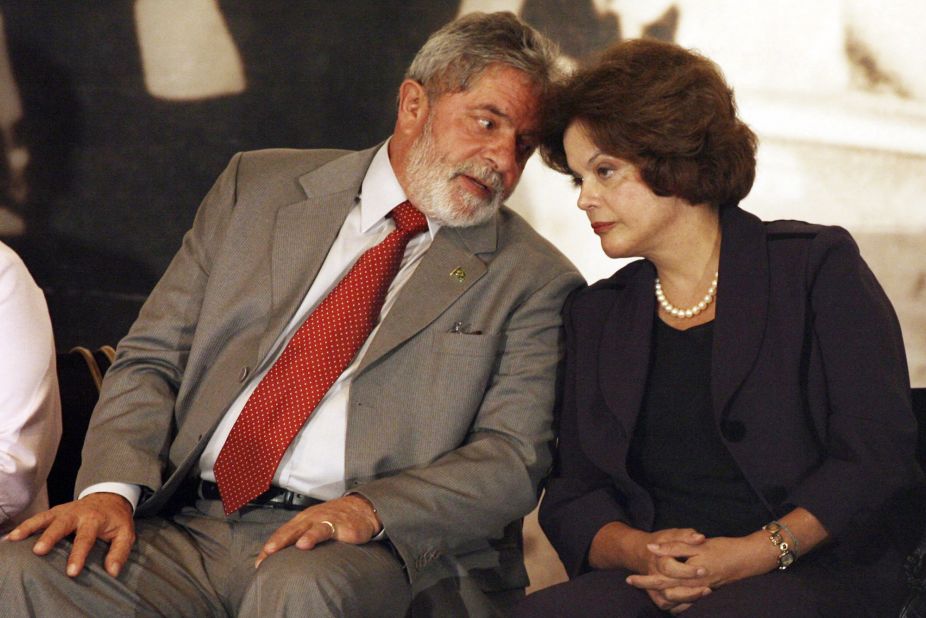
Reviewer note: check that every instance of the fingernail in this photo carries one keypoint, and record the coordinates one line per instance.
(114, 568)
(39, 547)
(257, 563)
(72, 570)
(701, 572)
(706, 592)
(653, 546)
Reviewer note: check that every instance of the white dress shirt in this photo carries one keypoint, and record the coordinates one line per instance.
(314, 462)
(30, 409)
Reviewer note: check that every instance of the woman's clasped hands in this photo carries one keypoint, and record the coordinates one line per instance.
(682, 565)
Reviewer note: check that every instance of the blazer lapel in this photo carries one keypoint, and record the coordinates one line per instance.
(432, 288)
(303, 234)
(624, 353)
(742, 303)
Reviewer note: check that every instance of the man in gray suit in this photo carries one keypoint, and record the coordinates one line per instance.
(404, 488)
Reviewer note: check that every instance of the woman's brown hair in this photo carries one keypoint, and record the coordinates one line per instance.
(665, 109)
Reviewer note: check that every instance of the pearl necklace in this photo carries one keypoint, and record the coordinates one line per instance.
(692, 311)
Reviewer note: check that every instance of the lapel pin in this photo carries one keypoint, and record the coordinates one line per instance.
(458, 273)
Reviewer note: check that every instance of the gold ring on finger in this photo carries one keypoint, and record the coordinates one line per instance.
(331, 526)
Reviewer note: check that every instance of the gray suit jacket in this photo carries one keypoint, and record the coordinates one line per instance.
(448, 434)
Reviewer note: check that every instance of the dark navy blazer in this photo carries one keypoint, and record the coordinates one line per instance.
(809, 382)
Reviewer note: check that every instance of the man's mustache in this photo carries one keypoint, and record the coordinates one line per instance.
(485, 175)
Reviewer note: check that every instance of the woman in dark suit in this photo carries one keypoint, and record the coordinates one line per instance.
(736, 410)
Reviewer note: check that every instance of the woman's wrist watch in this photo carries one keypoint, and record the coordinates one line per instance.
(786, 555)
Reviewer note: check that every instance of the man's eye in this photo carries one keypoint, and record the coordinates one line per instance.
(485, 123)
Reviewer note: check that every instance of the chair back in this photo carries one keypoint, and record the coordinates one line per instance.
(915, 606)
(919, 409)
(80, 374)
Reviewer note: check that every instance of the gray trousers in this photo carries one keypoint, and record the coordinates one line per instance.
(200, 563)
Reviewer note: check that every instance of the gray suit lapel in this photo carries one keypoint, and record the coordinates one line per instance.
(432, 288)
(303, 234)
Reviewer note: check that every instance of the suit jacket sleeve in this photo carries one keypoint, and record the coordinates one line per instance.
(580, 497)
(870, 431)
(471, 493)
(134, 418)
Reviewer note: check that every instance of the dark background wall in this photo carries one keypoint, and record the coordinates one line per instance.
(115, 174)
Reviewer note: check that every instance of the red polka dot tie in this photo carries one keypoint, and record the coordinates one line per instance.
(322, 348)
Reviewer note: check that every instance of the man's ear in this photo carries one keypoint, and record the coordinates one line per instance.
(413, 107)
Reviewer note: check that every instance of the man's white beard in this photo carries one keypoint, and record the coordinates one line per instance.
(432, 188)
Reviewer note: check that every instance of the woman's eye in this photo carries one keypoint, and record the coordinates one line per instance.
(604, 172)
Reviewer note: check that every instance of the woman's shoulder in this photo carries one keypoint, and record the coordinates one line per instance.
(618, 281)
(603, 292)
(821, 259)
(815, 241)
(791, 229)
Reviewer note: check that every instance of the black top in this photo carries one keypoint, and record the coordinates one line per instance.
(677, 453)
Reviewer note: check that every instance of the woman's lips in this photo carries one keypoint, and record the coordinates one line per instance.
(602, 226)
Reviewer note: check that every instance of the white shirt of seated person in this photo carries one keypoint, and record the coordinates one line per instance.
(30, 408)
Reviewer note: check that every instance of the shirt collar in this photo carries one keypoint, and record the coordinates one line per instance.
(380, 192)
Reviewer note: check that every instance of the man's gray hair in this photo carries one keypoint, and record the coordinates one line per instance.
(454, 56)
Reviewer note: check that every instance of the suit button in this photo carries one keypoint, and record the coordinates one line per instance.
(775, 494)
(245, 372)
(733, 431)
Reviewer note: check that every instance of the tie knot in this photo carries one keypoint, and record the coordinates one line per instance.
(409, 219)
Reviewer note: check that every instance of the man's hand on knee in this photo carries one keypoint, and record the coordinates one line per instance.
(103, 516)
(351, 519)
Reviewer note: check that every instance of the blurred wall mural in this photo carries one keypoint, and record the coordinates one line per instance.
(117, 115)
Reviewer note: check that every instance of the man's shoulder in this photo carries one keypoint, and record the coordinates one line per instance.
(519, 240)
(15, 279)
(285, 175)
(8, 258)
(288, 162)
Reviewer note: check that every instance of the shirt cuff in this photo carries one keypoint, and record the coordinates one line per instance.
(381, 536)
(130, 492)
